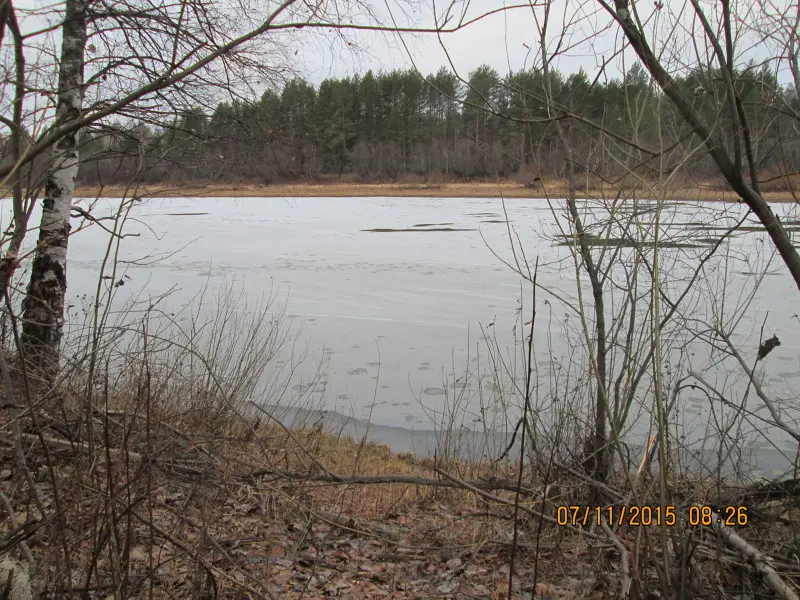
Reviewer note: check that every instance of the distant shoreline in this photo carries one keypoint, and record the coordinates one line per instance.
(503, 189)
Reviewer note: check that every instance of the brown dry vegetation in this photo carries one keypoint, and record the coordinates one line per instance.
(471, 189)
(161, 502)
(229, 508)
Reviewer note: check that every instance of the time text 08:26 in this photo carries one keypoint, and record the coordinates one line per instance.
(632, 515)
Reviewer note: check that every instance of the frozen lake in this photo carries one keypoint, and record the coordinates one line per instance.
(397, 317)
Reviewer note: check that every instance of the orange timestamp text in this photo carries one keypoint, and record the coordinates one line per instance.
(632, 515)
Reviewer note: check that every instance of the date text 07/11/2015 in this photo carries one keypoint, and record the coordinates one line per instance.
(632, 515)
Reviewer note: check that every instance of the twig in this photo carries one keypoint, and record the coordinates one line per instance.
(527, 509)
(89, 217)
(12, 515)
(162, 423)
(311, 558)
(291, 435)
(624, 559)
(492, 484)
(760, 562)
(376, 530)
(64, 444)
(209, 568)
(213, 542)
(773, 411)
(17, 435)
(525, 411)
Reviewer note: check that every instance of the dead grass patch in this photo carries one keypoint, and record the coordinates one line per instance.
(552, 188)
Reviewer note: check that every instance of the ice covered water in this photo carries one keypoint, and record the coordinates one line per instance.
(395, 297)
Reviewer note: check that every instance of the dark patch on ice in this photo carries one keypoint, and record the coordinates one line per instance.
(625, 242)
(744, 228)
(189, 214)
(433, 391)
(389, 230)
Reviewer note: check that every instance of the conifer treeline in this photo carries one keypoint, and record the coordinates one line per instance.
(392, 125)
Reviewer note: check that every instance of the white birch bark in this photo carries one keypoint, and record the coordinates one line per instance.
(43, 309)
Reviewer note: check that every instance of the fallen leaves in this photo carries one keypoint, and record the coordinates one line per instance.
(228, 536)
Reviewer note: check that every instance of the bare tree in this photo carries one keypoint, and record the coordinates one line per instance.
(145, 60)
(737, 161)
(657, 291)
(43, 313)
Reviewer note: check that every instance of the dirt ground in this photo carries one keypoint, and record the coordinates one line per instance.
(178, 510)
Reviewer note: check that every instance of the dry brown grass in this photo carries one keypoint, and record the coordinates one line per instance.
(198, 509)
(483, 189)
(188, 517)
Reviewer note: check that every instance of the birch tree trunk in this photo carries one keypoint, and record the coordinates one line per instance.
(43, 308)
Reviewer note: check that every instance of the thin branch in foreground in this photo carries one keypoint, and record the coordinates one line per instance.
(755, 557)
(488, 484)
(499, 500)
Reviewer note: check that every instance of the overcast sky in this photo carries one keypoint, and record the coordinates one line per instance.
(504, 40)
